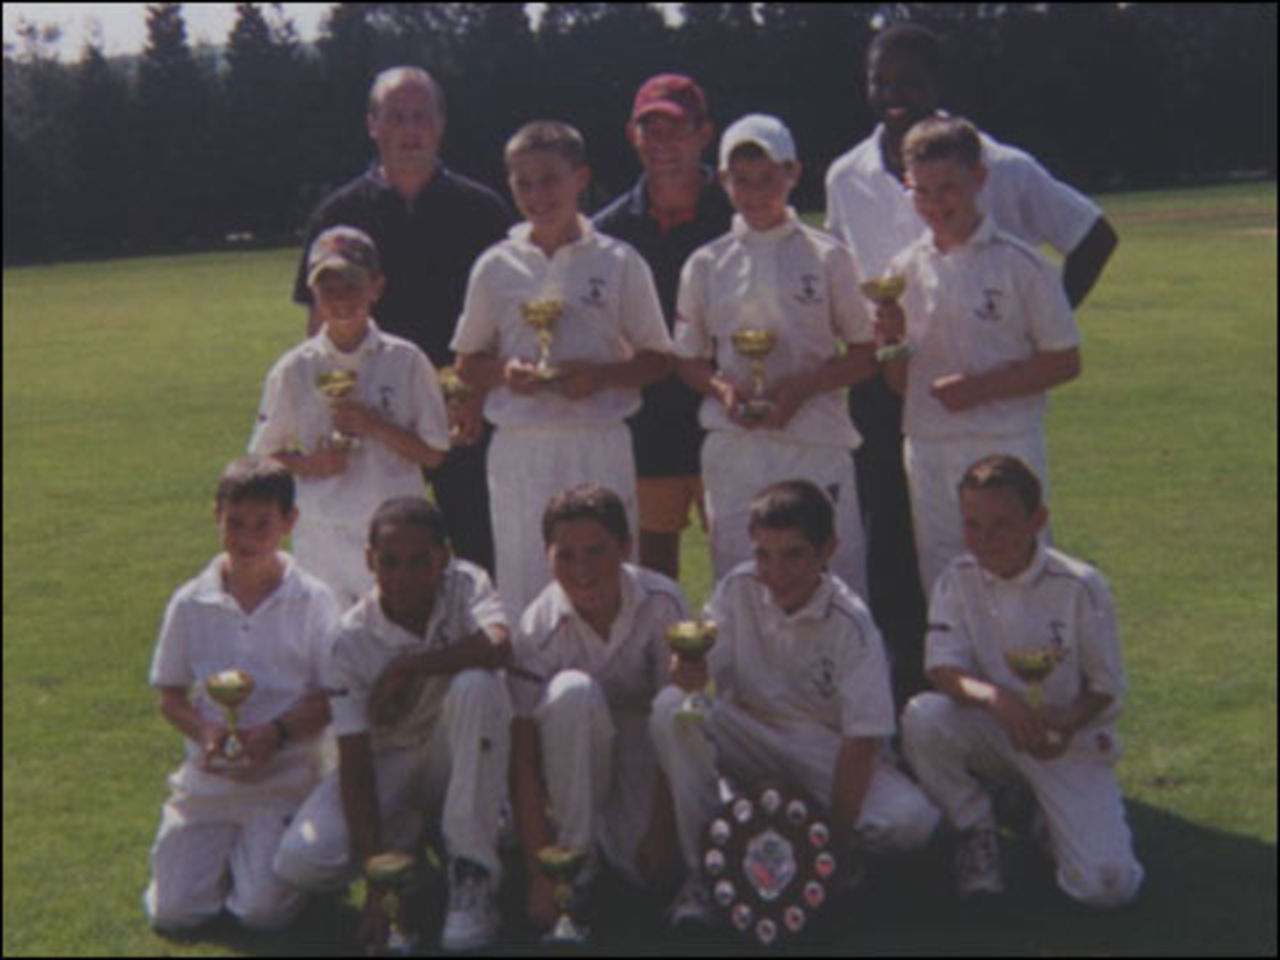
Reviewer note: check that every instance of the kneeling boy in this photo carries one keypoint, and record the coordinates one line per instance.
(802, 695)
(252, 609)
(422, 719)
(1011, 591)
(580, 747)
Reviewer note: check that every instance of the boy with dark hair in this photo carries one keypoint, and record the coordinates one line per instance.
(1023, 652)
(422, 719)
(353, 412)
(801, 695)
(992, 332)
(583, 773)
(560, 423)
(253, 609)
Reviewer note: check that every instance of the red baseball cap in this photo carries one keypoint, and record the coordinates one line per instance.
(673, 94)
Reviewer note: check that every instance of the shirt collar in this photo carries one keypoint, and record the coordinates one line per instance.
(742, 232)
(562, 609)
(638, 199)
(981, 236)
(522, 232)
(210, 587)
(371, 343)
(1027, 577)
(816, 608)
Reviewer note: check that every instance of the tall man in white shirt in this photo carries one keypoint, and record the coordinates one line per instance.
(870, 209)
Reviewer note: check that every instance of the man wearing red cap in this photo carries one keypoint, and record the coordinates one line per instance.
(675, 207)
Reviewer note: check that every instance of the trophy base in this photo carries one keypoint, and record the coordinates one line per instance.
(893, 351)
(756, 410)
(546, 374)
(223, 764)
(566, 933)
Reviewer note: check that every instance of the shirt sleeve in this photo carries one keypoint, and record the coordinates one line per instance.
(1100, 659)
(642, 320)
(1051, 211)
(276, 428)
(478, 327)
(348, 688)
(1050, 318)
(866, 697)
(850, 314)
(530, 650)
(170, 663)
(693, 337)
(432, 419)
(719, 610)
(947, 643)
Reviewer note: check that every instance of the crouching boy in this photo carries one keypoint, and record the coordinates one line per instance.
(422, 719)
(253, 609)
(801, 695)
(1012, 595)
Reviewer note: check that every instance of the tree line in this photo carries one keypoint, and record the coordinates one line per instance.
(184, 147)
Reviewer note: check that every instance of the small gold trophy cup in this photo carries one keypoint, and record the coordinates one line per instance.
(1032, 664)
(455, 391)
(335, 385)
(562, 865)
(391, 873)
(691, 639)
(888, 289)
(543, 314)
(755, 343)
(229, 689)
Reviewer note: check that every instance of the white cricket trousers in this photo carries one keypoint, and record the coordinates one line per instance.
(738, 465)
(334, 553)
(946, 743)
(599, 769)
(934, 468)
(895, 815)
(214, 851)
(460, 771)
(528, 466)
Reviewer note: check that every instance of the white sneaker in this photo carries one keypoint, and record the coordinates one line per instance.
(692, 905)
(977, 863)
(472, 920)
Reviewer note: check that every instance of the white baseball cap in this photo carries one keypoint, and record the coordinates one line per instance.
(768, 133)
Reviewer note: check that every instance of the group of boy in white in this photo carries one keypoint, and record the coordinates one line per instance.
(546, 442)
(393, 377)
(802, 284)
(210, 817)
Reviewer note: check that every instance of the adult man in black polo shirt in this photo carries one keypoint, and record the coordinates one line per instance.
(676, 207)
(430, 224)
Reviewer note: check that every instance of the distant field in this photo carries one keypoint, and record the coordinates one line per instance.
(129, 384)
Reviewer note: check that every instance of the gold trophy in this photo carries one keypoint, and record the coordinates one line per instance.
(691, 639)
(888, 289)
(337, 384)
(755, 343)
(390, 873)
(562, 865)
(1032, 664)
(542, 314)
(229, 689)
(456, 396)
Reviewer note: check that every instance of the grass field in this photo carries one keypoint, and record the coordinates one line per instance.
(129, 384)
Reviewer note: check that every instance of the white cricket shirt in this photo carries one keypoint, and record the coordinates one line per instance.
(1057, 601)
(873, 214)
(283, 643)
(985, 304)
(792, 279)
(823, 664)
(611, 313)
(630, 665)
(394, 378)
(369, 642)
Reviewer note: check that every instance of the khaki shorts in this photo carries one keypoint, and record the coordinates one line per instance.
(664, 502)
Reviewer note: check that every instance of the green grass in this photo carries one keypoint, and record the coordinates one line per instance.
(128, 385)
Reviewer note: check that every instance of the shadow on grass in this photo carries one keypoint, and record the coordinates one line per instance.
(1207, 892)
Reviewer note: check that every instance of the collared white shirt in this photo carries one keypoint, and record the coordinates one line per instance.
(630, 664)
(1058, 601)
(282, 643)
(825, 663)
(984, 304)
(871, 211)
(394, 378)
(792, 279)
(611, 313)
(369, 642)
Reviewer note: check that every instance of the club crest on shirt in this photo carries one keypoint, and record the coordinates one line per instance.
(595, 297)
(386, 397)
(823, 674)
(809, 292)
(990, 309)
